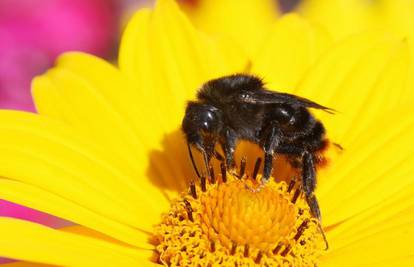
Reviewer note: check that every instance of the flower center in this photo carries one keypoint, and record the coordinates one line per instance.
(239, 222)
(234, 213)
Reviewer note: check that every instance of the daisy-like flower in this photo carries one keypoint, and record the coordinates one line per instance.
(106, 153)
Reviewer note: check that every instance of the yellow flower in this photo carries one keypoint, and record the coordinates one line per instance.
(106, 153)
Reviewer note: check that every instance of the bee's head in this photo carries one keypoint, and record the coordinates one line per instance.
(202, 125)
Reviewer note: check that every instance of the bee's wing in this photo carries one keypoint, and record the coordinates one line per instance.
(263, 96)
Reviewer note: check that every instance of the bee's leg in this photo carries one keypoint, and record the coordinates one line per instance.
(270, 143)
(267, 166)
(229, 146)
(309, 183)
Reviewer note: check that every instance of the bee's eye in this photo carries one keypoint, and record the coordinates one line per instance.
(206, 126)
(208, 121)
(201, 119)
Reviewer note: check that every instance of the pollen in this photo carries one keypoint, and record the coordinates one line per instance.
(235, 220)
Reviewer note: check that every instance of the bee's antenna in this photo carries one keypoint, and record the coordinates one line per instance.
(190, 153)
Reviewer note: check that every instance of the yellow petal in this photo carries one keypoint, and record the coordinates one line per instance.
(342, 17)
(165, 56)
(406, 261)
(68, 209)
(137, 61)
(49, 155)
(409, 92)
(361, 78)
(391, 213)
(346, 17)
(292, 47)
(25, 264)
(91, 113)
(82, 230)
(103, 109)
(388, 225)
(390, 245)
(32, 242)
(395, 15)
(386, 94)
(167, 60)
(247, 22)
(375, 167)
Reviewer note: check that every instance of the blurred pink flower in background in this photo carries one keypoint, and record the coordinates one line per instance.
(32, 35)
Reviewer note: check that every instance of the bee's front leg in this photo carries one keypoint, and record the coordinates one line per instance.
(229, 146)
(272, 140)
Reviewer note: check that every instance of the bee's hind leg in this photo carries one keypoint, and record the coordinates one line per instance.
(309, 183)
